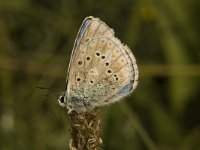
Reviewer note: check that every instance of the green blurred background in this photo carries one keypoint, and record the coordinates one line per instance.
(36, 39)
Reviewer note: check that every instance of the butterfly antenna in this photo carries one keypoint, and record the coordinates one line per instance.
(54, 90)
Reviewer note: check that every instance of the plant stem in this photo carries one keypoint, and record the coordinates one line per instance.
(85, 130)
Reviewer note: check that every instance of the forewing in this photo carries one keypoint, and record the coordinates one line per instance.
(91, 28)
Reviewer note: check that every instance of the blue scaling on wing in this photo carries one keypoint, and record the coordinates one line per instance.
(125, 89)
(80, 34)
(82, 30)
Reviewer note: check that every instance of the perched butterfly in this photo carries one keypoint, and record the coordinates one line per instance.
(102, 70)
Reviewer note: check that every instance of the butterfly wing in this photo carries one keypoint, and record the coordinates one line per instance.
(102, 69)
(111, 75)
(91, 28)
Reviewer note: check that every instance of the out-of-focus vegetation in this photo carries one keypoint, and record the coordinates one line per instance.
(36, 38)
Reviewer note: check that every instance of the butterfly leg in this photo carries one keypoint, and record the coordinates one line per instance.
(70, 111)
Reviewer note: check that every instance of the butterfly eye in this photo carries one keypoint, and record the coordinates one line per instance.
(61, 100)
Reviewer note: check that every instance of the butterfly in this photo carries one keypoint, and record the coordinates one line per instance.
(102, 70)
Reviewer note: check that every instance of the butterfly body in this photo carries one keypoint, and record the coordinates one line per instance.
(102, 70)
